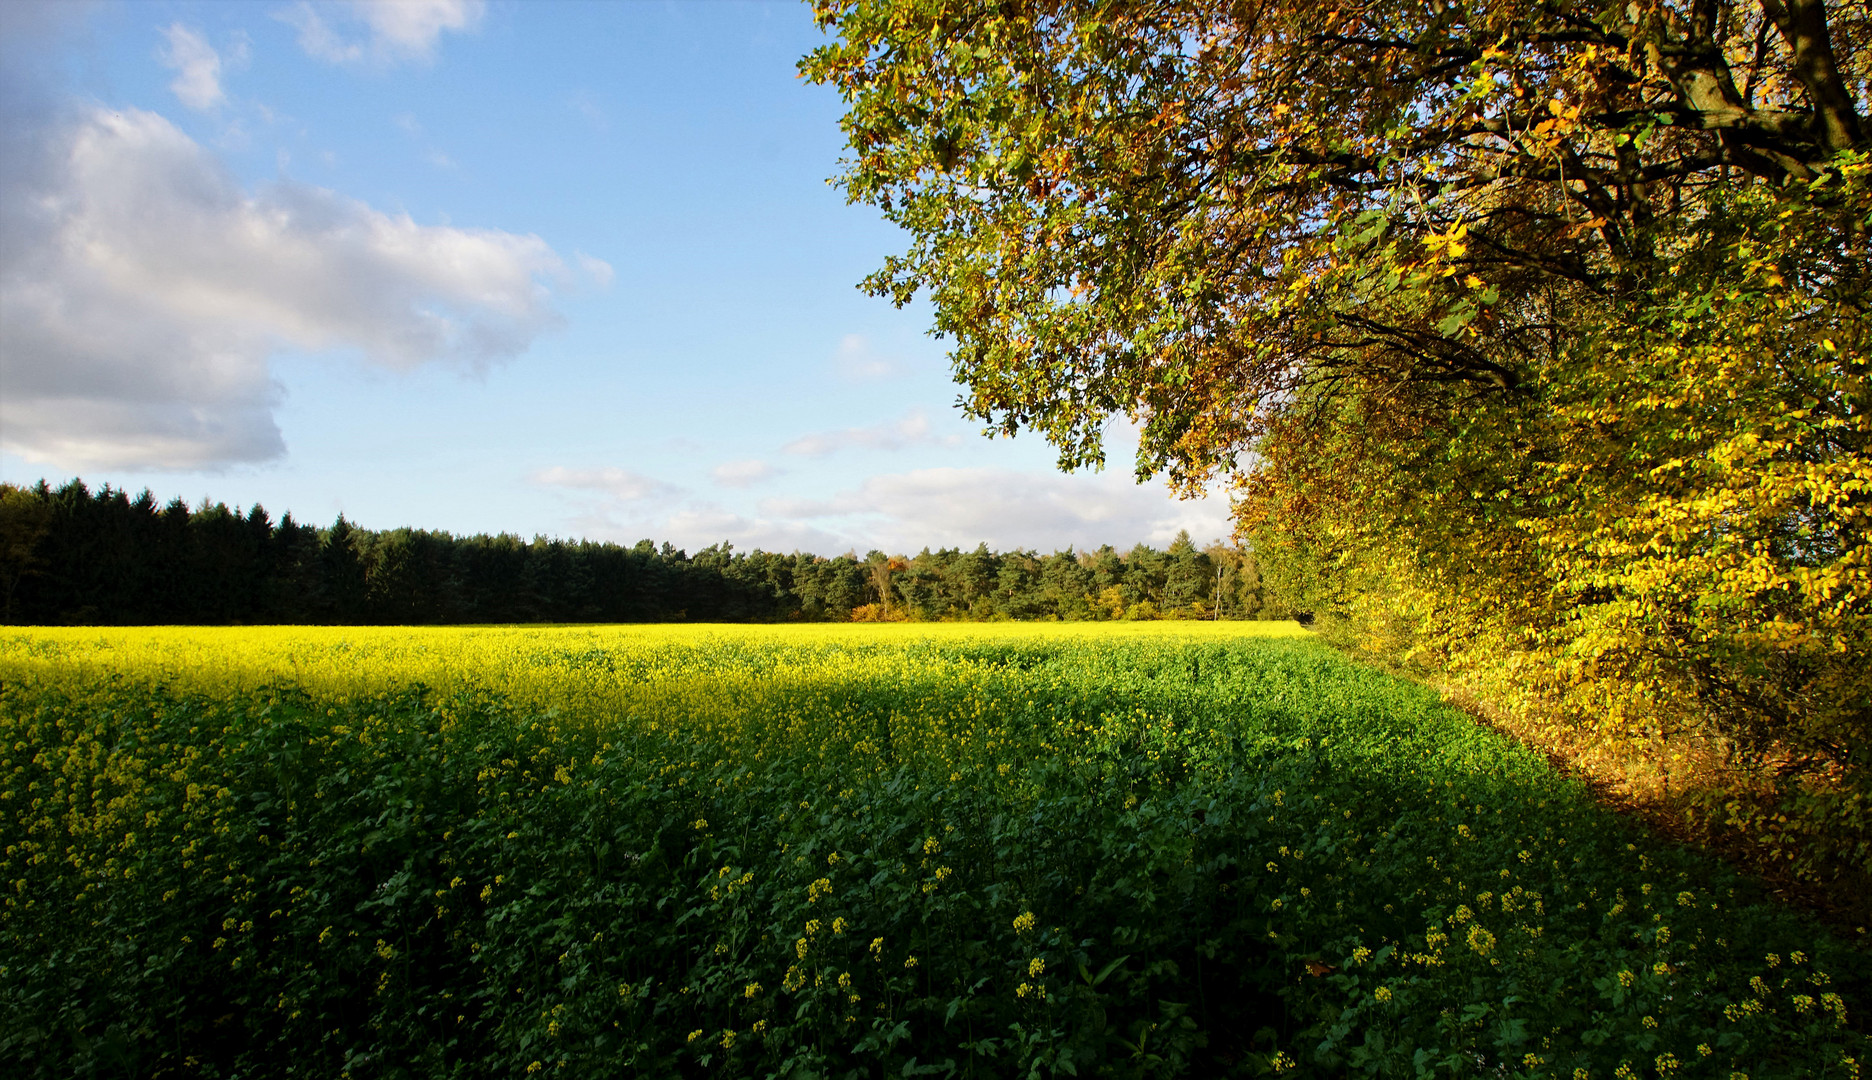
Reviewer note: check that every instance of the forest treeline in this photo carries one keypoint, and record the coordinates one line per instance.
(69, 555)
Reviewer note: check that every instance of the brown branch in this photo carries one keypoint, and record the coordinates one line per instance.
(1803, 24)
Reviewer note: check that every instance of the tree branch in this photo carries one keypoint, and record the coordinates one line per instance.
(1803, 24)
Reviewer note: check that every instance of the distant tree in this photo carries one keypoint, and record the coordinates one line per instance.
(1066, 586)
(881, 571)
(923, 585)
(1238, 582)
(343, 571)
(975, 575)
(24, 519)
(1188, 578)
(1017, 593)
(169, 591)
(105, 557)
(1143, 581)
(846, 585)
(292, 587)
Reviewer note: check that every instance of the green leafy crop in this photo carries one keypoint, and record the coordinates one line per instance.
(1087, 853)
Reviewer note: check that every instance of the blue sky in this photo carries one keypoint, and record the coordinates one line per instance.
(565, 269)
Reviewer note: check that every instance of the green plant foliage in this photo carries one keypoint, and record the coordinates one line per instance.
(1533, 338)
(1098, 854)
(1661, 560)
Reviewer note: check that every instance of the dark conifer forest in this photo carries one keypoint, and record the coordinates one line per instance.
(70, 555)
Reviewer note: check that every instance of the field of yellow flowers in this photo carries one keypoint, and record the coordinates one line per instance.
(974, 850)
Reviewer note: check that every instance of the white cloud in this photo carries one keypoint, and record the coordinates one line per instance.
(624, 506)
(412, 26)
(698, 527)
(693, 528)
(596, 269)
(912, 429)
(857, 361)
(143, 293)
(196, 64)
(898, 512)
(398, 30)
(740, 474)
(956, 507)
(617, 484)
(318, 39)
(905, 512)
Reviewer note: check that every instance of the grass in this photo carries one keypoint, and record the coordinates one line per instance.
(987, 850)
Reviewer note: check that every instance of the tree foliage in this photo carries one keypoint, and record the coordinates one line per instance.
(1533, 334)
(74, 556)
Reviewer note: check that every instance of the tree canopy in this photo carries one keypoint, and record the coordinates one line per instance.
(1192, 210)
(1532, 334)
(70, 555)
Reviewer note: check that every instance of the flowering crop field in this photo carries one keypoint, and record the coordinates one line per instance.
(979, 850)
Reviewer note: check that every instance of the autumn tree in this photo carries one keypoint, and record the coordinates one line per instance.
(1532, 333)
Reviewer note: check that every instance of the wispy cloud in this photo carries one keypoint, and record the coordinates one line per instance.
(317, 37)
(197, 66)
(619, 484)
(912, 429)
(858, 361)
(740, 474)
(395, 30)
(146, 292)
(596, 270)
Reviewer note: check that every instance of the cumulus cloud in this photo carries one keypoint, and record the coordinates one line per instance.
(897, 512)
(905, 512)
(961, 507)
(196, 64)
(740, 474)
(913, 429)
(395, 30)
(143, 292)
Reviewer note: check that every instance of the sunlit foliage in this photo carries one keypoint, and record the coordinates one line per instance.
(1532, 335)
